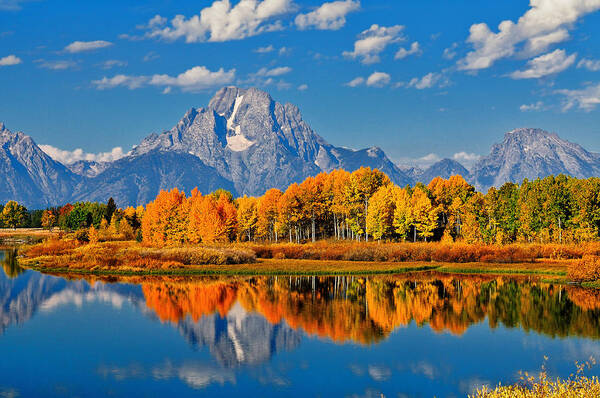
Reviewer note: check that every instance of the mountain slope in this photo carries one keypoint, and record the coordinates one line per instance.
(258, 143)
(29, 175)
(532, 153)
(137, 180)
(445, 168)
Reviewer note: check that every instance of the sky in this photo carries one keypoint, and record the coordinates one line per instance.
(423, 80)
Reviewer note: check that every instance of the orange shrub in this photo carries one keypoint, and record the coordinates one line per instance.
(585, 270)
(52, 247)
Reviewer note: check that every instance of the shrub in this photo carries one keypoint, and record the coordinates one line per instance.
(585, 270)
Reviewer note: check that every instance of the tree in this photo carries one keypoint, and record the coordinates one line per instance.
(247, 217)
(166, 219)
(425, 214)
(48, 219)
(14, 215)
(403, 214)
(380, 220)
(110, 209)
(363, 183)
(267, 214)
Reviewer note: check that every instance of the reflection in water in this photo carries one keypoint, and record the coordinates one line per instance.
(11, 267)
(238, 329)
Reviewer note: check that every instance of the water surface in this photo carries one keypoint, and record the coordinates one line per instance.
(415, 335)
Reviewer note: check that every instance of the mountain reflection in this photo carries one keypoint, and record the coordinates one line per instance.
(247, 320)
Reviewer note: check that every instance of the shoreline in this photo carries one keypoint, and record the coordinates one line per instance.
(270, 267)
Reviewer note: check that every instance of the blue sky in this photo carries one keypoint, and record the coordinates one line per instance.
(421, 79)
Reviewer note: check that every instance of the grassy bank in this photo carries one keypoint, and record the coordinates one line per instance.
(321, 258)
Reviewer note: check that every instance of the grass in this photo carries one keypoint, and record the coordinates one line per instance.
(575, 386)
(320, 258)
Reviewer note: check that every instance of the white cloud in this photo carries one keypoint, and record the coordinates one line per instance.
(544, 65)
(586, 98)
(80, 46)
(10, 60)
(265, 50)
(357, 81)
(68, 157)
(150, 56)
(279, 71)
(131, 82)
(112, 63)
(329, 16)
(430, 80)
(466, 159)
(450, 52)
(56, 65)
(376, 79)
(195, 79)
(545, 23)
(537, 106)
(303, 87)
(414, 49)
(373, 41)
(222, 22)
(589, 64)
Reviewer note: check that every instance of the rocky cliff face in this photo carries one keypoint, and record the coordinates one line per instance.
(532, 153)
(445, 168)
(258, 143)
(29, 175)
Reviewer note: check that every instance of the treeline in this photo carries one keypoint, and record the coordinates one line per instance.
(363, 205)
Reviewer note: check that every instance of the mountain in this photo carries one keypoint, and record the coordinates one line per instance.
(88, 168)
(258, 143)
(532, 153)
(138, 179)
(29, 175)
(444, 168)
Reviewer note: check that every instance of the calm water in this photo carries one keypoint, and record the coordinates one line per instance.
(401, 336)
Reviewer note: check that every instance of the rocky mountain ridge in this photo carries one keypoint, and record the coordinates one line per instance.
(246, 142)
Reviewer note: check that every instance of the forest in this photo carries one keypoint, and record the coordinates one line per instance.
(361, 206)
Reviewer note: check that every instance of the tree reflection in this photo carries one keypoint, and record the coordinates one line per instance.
(10, 264)
(367, 310)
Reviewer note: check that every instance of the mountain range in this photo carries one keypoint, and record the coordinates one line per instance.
(246, 142)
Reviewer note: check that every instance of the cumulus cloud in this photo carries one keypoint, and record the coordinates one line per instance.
(112, 63)
(544, 65)
(432, 79)
(545, 23)
(69, 157)
(585, 99)
(195, 79)
(376, 79)
(10, 60)
(131, 82)
(303, 87)
(373, 41)
(80, 46)
(357, 81)
(589, 64)
(403, 52)
(278, 71)
(536, 106)
(450, 52)
(329, 16)
(60, 64)
(265, 50)
(466, 159)
(222, 22)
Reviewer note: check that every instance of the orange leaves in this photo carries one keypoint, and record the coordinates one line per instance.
(165, 220)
